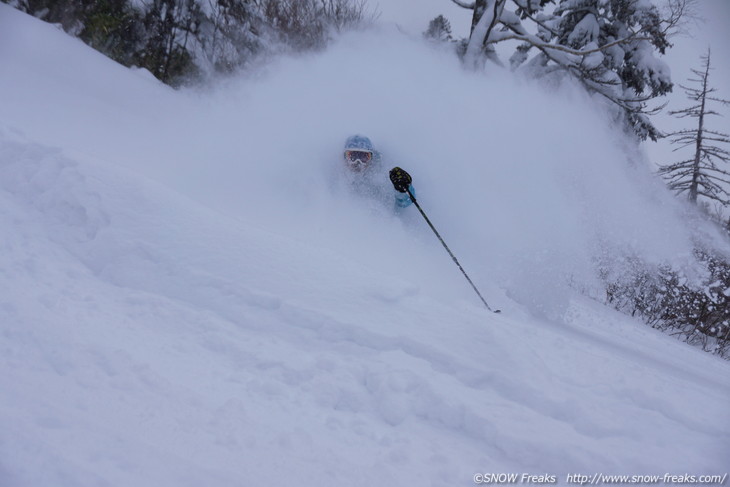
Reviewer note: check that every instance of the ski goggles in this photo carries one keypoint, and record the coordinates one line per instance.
(358, 155)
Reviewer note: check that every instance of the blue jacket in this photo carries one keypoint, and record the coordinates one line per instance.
(402, 200)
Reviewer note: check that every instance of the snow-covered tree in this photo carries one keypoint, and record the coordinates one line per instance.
(610, 46)
(620, 39)
(702, 174)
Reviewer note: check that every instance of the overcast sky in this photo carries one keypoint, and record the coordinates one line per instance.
(712, 32)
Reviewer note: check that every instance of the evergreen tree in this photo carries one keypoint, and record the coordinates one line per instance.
(112, 27)
(439, 29)
(177, 40)
(700, 175)
(169, 27)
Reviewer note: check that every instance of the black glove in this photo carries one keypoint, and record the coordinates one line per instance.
(400, 179)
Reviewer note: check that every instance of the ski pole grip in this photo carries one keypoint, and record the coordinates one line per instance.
(400, 179)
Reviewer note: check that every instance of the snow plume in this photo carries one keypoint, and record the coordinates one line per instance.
(522, 183)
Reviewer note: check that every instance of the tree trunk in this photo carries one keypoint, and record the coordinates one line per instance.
(479, 7)
(693, 188)
(486, 15)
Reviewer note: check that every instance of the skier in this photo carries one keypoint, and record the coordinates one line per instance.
(366, 175)
(367, 178)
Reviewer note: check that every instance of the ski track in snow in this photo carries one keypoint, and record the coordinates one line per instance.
(149, 340)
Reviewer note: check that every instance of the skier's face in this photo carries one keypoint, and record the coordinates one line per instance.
(357, 160)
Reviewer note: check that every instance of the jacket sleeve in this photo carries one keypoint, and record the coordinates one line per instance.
(402, 200)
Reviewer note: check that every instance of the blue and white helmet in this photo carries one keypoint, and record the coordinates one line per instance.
(359, 143)
(359, 153)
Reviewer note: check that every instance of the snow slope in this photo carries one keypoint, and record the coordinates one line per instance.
(189, 297)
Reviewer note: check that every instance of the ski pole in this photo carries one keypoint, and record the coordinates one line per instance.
(453, 257)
